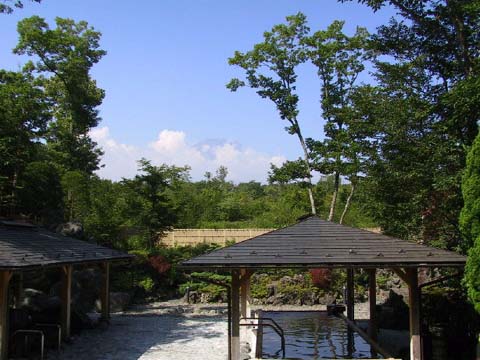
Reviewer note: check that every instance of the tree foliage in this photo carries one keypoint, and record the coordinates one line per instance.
(339, 60)
(422, 116)
(470, 221)
(270, 69)
(49, 107)
(7, 6)
(65, 56)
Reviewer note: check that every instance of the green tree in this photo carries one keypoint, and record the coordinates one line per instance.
(7, 8)
(339, 60)
(107, 213)
(270, 68)
(151, 206)
(470, 222)
(23, 122)
(434, 49)
(470, 215)
(76, 186)
(64, 57)
(40, 193)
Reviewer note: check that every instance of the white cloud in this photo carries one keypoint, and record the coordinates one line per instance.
(171, 147)
(169, 141)
(119, 159)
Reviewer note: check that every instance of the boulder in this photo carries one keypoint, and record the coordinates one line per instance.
(71, 228)
(119, 302)
(393, 313)
(36, 300)
(86, 285)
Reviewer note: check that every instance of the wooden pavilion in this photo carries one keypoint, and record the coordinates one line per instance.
(25, 247)
(313, 243)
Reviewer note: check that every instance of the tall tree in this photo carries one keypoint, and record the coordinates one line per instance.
(270, 68)
(64, 57)
(339, 60)
(433, 46)
(470, 221)
(23, 122)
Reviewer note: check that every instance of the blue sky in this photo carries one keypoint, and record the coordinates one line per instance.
(165, 73)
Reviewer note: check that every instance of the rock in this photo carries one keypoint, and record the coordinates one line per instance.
(393, 313)
(271, 290)
(193, 297)
(326, 299)
(36, 300)
(119, 302)
(299, 278)
(72, 228)
(205, 298)
(287, 280)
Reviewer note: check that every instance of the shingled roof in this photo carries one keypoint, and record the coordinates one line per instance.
(23, 247)
(315, 242)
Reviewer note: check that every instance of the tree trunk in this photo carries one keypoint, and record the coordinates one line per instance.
(13, 201)
(70, 200)
(334, 197)
(309, 179)
(348, 203)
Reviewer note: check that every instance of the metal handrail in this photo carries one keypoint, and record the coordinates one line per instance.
(277, 328)
(33, 332)
(266, 318)
(58, 329)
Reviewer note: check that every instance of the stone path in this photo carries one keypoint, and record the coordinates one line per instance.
(149, 337)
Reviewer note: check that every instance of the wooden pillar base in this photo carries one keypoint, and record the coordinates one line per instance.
(372, 299)
(66, 295)
(235, 315)
(350, 295)
(416, 352)
(105, 293)
(5, 277)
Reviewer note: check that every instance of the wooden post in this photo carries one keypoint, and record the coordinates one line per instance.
(372, 297)
(5, 277)
(415, 325)
(105, 292)
(245, 298)
(246, 333)
(66, 295)
(235, 315)
(350, 295)
(18, 290)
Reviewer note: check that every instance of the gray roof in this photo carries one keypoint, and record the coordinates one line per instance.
(314, 242)
(23, 247)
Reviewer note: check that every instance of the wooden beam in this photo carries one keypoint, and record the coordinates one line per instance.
(66, 296)
(372, 298)
(414, 315)
(235, 314)
(365, 337)
(402, 274)
(350, 295)
(105, 292)
(5, 277)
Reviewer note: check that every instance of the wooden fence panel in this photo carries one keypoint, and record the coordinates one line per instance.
(183, 237)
